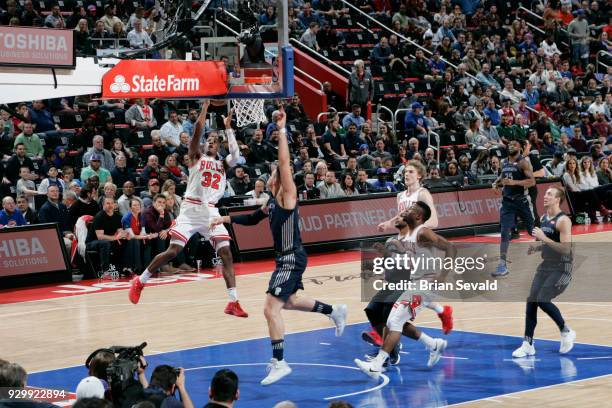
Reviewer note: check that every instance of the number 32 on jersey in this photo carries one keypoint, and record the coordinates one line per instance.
(210, 180)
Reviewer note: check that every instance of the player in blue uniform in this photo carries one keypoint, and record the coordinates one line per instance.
(282, 212)
(515, 179)
(553, 274)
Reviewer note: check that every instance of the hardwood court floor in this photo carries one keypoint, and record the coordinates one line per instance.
(48, 334)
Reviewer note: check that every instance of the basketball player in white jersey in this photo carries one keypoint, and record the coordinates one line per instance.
(206, 185)
(413, 174)
(415, 240)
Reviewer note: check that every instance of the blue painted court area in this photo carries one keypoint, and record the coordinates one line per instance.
(475, 366)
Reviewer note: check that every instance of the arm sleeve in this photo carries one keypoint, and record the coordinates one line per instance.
(249, 219)
(234, 150)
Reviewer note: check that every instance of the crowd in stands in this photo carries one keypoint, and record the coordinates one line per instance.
(96, 390)
(473, 78)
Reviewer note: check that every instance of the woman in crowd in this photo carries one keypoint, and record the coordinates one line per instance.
(169, 187)
(118, 148)
(172, 206)
(176, 170)
(348, 185)
(110, 191)
(582, 201)
(480, 166)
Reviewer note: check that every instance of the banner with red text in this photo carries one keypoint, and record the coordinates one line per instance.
(359, 218)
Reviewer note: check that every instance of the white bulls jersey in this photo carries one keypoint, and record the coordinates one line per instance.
(207, 180)
(405, 200)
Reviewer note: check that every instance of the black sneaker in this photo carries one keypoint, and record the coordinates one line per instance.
(394, 357)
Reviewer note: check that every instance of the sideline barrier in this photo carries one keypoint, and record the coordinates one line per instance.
(352, 220)
(32, 255)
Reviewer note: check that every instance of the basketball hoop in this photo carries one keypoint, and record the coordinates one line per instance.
(249, 111)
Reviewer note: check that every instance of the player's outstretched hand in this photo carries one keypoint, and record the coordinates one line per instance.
(382, 226)
(227, 120)
(219, 220)
(205, 103)
(281, 122)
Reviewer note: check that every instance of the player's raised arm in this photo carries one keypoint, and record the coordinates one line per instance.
(284, 168)
(194, 145)
(234, 150)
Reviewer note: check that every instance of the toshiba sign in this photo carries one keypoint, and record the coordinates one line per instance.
(165, 79)
(25, 46)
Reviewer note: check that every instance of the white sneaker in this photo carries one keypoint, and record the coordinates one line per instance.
(436, 353)
(338, 316)
(276, 370)
(567, 341)
(367, 368)
(525, 350)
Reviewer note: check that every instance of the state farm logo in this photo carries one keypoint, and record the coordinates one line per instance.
(119, 85)
(141, 83)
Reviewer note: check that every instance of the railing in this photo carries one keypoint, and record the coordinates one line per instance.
(539, 17)
(598, 62)
(383, 107)
(531, 13)
(437, 146)
(310, 77)
(344, 70)
(320, 115)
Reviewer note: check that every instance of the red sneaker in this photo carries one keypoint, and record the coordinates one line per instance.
(234, 309)
(447, 319)
(136, 290)
(372, 337)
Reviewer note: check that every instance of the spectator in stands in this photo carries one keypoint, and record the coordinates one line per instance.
(556, 166)
(330, 187)
(109, 191)
(348, 185)
(138, 37)
(472, 64)
(333, 145)
(361, 86)
(486, 79)
(295, 110)
(604, 172)
(55, 19)
(241, 183)
(177, 173)
(147, 195)
(308, 15)
(93, 183)
(121, 173)
(258, 193)
(137, 252)
(105, 235)
(95, 168)
(223, 389)
(414, 122)
(109, 19)
(98, 34)
(140, 115)
(54, 211)
(18, 160)
(31, 142)
(578, 31)
(29, 215)
(163, 385)
(171, 130)
(151, 170)
(159, 148)
(51, 180)
(578, 142)
(309, 37)
(380, 154)
(107, 160)
(138, 15)
(302, 158)
(259, 150)
(334, 100)
(82, 41)
(327, 37)
(354, 117)
(381, 53)
(308, 189)
(85, 205)
(491, 112)
(10, 216)
(381, 184)
(30, 16)
(362, 184)
(351, 140)
(128, 194)
(7, 129)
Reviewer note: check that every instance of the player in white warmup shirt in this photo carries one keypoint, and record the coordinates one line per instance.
(206, 185)
(413, 174)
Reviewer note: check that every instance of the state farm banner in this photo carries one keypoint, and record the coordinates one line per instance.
(165, 79)
(31, 249)
(358, 218)
(32, 47)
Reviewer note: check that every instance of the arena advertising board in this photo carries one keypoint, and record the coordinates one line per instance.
(31, 250)
(37, 47)
(354, 219)
(165, 79)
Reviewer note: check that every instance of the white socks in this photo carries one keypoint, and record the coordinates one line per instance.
(427, 341)
(146, 275)
(233, 294)
(380, 359)
(434, 306)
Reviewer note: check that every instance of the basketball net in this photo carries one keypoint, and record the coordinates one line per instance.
(249, 111)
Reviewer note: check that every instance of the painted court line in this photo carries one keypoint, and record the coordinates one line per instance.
(594, 358)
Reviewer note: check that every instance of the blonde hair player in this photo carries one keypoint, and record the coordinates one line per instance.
(413, 174)
(206, 185)
(291, 259)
